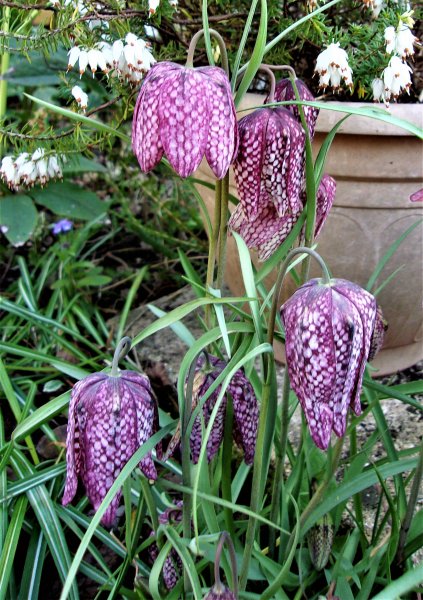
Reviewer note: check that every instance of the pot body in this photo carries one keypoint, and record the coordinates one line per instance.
(377, 167)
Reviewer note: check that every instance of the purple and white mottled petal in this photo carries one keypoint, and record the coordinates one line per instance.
(296, 159)
(222, 140)
(365, 304)
(266, 233)
(248, 165)
(310, 356)
(324, 200)
(246, 414)
(347, 334)
(146, 142)
(73, 453)
(275, 163)
(184, 120)
(378, 334)
(284, 92)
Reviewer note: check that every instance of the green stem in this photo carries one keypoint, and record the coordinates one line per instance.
(121, 351)
(256, 491)
(213, 242)
(223, 231)
(358, 506)
(315, 501)
(412, 501)
(4, 66)
(225, 537)
(193, 44)
(279, 464)
(310, 185)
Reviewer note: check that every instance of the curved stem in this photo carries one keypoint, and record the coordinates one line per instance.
(225, 537)
(213, 241)
(278, 285)
(121, 351)
(281, 68)
(193, 44)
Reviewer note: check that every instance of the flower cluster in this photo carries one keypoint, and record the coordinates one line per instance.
(28, 170)
(396, 77)
(269, 172)
(331, 331)
(332, 67)
(130, 59)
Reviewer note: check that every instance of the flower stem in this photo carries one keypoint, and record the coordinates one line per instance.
(121, 351)
(225, 537)
(223, 230)
(193, 44)
(213, 242)
(4, 66)
(316, 499)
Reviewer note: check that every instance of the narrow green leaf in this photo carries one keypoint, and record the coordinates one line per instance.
(33, 567)
(44, 510)
(388, 255)
(138, 279)
(407, 582)
(7, 556)
(257, 55)
(319, 164)
(41, 415)
(94, 124)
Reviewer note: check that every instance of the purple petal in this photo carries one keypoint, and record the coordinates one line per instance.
(184, 120)
(417, 196)
(284, 92)
(246, 414)
(310, 356)
(146, 142)
(324, 200)
(248, 165)
(223, 131)
(266, 233)
(378, 334)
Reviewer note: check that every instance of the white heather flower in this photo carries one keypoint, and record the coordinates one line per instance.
(390, 38)
(73, 56)
(378, 89)
(376, 7)
(173, 3)
(152, 6)
(80, 96)
(83, 61)
(400, 41)
(332, 67)
(106, 50)
(396, 78)
(405, 41)
(25, 170)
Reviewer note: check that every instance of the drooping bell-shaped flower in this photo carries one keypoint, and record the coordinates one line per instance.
(172, 566)
(110, 417)
(284, 91)
(328, 328)
(267, 232)
(185, 114)
(269, 166)
(245, 408)
(219, 592)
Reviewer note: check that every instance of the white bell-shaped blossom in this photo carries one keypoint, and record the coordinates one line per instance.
(396, 77)
(378, 89)
(400, 41)
(152, 6)
(80, 96)
(332, 67)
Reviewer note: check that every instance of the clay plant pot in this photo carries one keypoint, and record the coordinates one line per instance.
(377, 167)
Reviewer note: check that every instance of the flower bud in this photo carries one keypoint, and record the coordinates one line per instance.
(320, 539)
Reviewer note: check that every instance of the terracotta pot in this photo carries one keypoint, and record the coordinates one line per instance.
(377, 167)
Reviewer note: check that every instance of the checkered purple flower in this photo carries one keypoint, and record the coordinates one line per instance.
(185, 114)
(109, 419)
(220, 592)
(246, 410)
(328, 327)
(381, 325)
(269, 166)
(267, 232)
(172, 566)
(284, 91)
